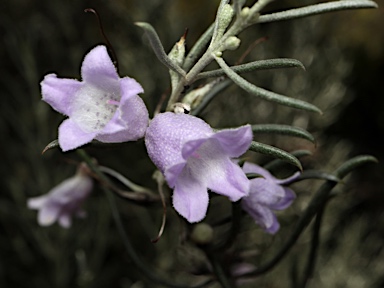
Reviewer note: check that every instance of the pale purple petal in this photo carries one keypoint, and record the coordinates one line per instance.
(253, 168)
(173, 172)
(48, 214)
(265, 191)
(129, 88)
(65, 220)
(284, 202)
(71, 136)
(97, 68)
(36, 202)
(230, 182)
(190, 197)
(288, 180)
(235, 142)
(190, 147)
(59, 93)
(263, 216)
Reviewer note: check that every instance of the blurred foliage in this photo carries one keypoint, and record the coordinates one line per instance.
(344, 57)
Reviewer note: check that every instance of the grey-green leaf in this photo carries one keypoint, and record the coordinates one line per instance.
(265, 94)
(158, 48)
(315, 174)
(251, 176)
(277, 163)
(353, 163)
(254, 66)
(317, 9)
(275, 152)
(283, 130)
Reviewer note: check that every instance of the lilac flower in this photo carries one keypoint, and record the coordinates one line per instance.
(102, 106)
(193, 158)
(64, 200)
(267, 194)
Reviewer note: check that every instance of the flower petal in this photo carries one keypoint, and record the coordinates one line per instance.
(263, 216)
(284, 202)
(190, 197)
(65, 220)
(48, 214)
(288, 180)
(235, 142)
(253, 168)
(265, 191)
(173, 172)
(36, 202)
(97, 68)
(59, 92)
(129, 88)
(131, 119)
(230, 181)
(191, 146)
(71, 136)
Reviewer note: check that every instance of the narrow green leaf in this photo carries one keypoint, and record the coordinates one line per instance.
(275, 152)
(283, 130)
(157, 47)
(277, 163)
(317, 9)
(254, 66)
(315, 174)
(218, 30)
(251, 176)
(265, 94)
(354, 163)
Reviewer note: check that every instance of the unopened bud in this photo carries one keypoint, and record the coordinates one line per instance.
(202, 234)
(232, 43)
(244, 12)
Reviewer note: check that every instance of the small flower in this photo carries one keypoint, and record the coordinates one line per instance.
(102, 106)
(193, 158)
(267, 194)
(64, 200)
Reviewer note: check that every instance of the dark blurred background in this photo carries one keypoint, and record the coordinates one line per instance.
(344, 58)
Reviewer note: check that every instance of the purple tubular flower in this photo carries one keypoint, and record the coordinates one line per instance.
(267, 194)
(64, 200)
(102, 106)
(193, 158)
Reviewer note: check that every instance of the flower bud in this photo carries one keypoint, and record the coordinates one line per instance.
(202, 234)
(244, 12)
(232, 43)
